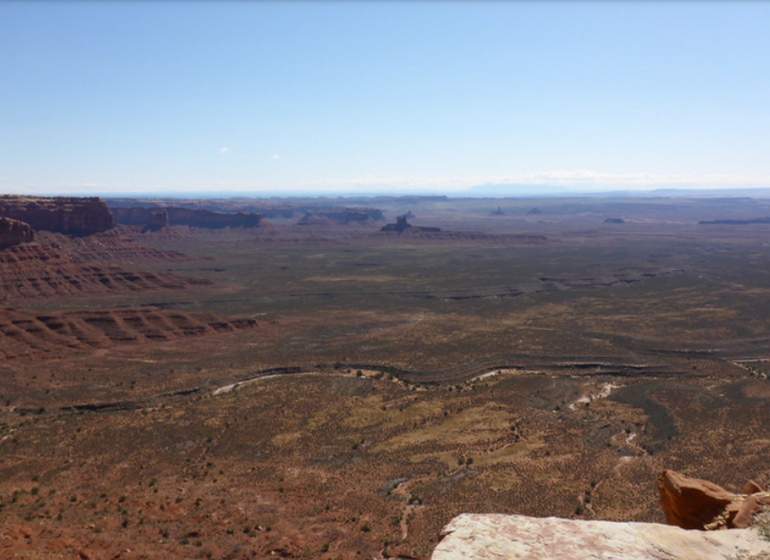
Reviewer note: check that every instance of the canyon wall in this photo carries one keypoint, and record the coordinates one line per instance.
(341, 215)
(61, 214)
(268, 208)
(13, 232)
(155, 218)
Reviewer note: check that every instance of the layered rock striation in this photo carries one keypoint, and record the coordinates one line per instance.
(24, 333)
(117, 246)
(692, 503)
(13, 232)
(32, 271)
(62, 214)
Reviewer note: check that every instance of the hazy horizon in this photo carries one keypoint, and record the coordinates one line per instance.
(491, 192)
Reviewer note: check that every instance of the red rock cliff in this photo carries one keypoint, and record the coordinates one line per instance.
(13, 232)
(61, 214)
(692, 503)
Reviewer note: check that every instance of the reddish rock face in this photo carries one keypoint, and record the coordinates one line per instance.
(61, 214)
(692, 503)
(158, 220)
(13, 232)
(745, 511)
(25, 333)
(33, 271)
(751, 487)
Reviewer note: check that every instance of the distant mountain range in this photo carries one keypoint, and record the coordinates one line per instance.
(536, 191)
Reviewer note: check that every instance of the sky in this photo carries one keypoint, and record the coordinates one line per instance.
(258, 97)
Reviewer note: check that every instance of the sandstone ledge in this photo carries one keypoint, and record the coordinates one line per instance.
(512, 537)
(13, 232)
(60, 214)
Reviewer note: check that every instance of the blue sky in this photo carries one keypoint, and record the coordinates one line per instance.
(115, 97)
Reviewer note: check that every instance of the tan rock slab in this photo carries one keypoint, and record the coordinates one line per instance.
(517, 537)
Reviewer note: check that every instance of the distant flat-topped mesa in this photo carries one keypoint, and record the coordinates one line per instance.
(765, 220)
(13, 232)
(342, 215)
(270, 209)
(156, 217)
(353, 214)
(61, 214)
(402, 225)
(514, 537)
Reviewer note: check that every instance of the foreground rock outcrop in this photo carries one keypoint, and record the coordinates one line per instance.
(511, 537)
(13, 232)
(61, 214)
(692, 503)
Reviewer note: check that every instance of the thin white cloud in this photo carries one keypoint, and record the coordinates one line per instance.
(225, 150)
(275, 156)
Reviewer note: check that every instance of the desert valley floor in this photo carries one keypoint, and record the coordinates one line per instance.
(306, 385)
